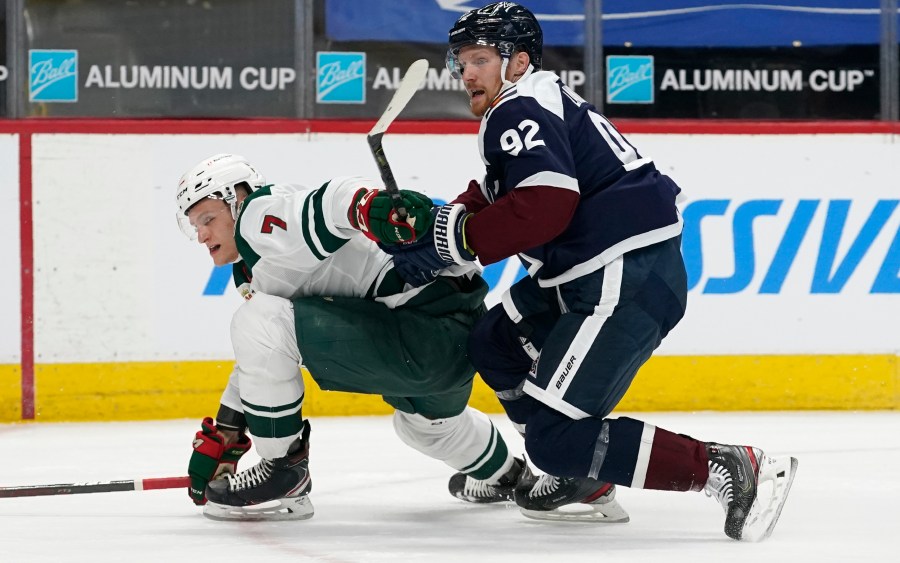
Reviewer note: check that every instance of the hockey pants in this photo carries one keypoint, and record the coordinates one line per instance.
(361, 346)
(561, 358)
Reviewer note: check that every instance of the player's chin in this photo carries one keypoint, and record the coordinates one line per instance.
(478, 105)
(219, 257)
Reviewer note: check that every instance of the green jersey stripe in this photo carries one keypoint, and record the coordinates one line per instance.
(330, 242)
(307, 235)
(246, 251)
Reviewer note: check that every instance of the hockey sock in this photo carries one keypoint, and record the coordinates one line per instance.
(468, 442)
(642, 456)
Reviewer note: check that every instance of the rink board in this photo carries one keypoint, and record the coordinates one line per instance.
(148, 391)
(793, 261)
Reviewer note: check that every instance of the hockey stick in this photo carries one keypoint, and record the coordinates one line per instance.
(99, 487)
(408, 87)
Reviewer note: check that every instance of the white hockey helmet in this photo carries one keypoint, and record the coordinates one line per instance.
(214, 177)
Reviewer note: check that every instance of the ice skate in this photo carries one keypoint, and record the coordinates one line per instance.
(751, 487)
(468, 489)
(273, 489)
(579, 499)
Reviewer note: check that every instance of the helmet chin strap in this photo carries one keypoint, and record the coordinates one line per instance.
(507, 84)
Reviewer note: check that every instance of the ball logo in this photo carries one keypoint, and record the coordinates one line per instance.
(53, 76)
(629, 80)
(340, 78)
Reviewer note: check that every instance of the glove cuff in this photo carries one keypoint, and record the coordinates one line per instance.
(449, 234)
(360, 206)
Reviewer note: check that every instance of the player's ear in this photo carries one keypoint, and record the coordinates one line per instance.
(241, 190)
(520, 61)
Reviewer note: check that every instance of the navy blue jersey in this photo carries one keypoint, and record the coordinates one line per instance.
(540, 133)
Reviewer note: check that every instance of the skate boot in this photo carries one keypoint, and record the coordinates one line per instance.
(468, 489)
(273, 489)
(568, 498)
(750, 486)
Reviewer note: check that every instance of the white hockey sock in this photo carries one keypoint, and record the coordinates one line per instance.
(467, 442)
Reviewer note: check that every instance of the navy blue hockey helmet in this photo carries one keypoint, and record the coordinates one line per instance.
(504, 25)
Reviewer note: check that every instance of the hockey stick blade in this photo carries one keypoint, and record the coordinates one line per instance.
(409, 85)
(99, 487)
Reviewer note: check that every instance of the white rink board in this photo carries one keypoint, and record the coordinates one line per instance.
(116, 280)
(10, 281)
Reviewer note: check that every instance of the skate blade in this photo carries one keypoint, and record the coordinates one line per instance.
(481, 500)
(296, 508)
(776, 475)
(607, 513)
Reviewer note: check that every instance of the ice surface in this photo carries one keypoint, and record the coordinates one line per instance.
(378, 501)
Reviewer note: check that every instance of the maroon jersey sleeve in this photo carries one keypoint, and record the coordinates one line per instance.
(472, 198)
(524, 218)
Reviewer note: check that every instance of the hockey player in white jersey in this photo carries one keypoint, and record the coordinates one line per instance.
(319, 292)
(596, 226)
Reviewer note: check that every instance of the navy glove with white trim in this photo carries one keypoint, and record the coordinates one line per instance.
(444, 246)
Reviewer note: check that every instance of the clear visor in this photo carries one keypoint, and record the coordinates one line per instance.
(203, 219)
(457, 67)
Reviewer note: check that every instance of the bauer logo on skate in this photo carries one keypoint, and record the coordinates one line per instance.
(53, 76)
(340, 78)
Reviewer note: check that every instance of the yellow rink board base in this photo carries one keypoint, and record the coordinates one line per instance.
(165, 390)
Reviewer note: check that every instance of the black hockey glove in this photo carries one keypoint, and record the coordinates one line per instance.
(444, 246)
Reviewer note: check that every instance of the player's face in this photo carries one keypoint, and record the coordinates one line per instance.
(215, 229)
(481, 76)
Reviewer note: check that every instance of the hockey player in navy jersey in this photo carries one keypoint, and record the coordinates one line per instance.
(596, 226)
(320, 293)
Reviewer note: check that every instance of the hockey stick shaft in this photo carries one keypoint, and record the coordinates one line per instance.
(409, 85)
(99, 487)
(387, 175)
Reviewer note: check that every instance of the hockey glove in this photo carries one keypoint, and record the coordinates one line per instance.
(410, 272)
(448, 244)
(212, 458)
(373, 213)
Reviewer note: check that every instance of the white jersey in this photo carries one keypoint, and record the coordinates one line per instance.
(298, 242)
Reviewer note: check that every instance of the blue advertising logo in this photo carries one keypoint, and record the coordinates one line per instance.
(340, 78)
(629, 80)
(53, 75)
(830, 273)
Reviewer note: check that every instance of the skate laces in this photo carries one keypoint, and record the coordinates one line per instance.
(249, 478)
(719, 484)
(545, 485)
(477, 488)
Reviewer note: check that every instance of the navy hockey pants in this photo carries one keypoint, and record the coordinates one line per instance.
(561, 358)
